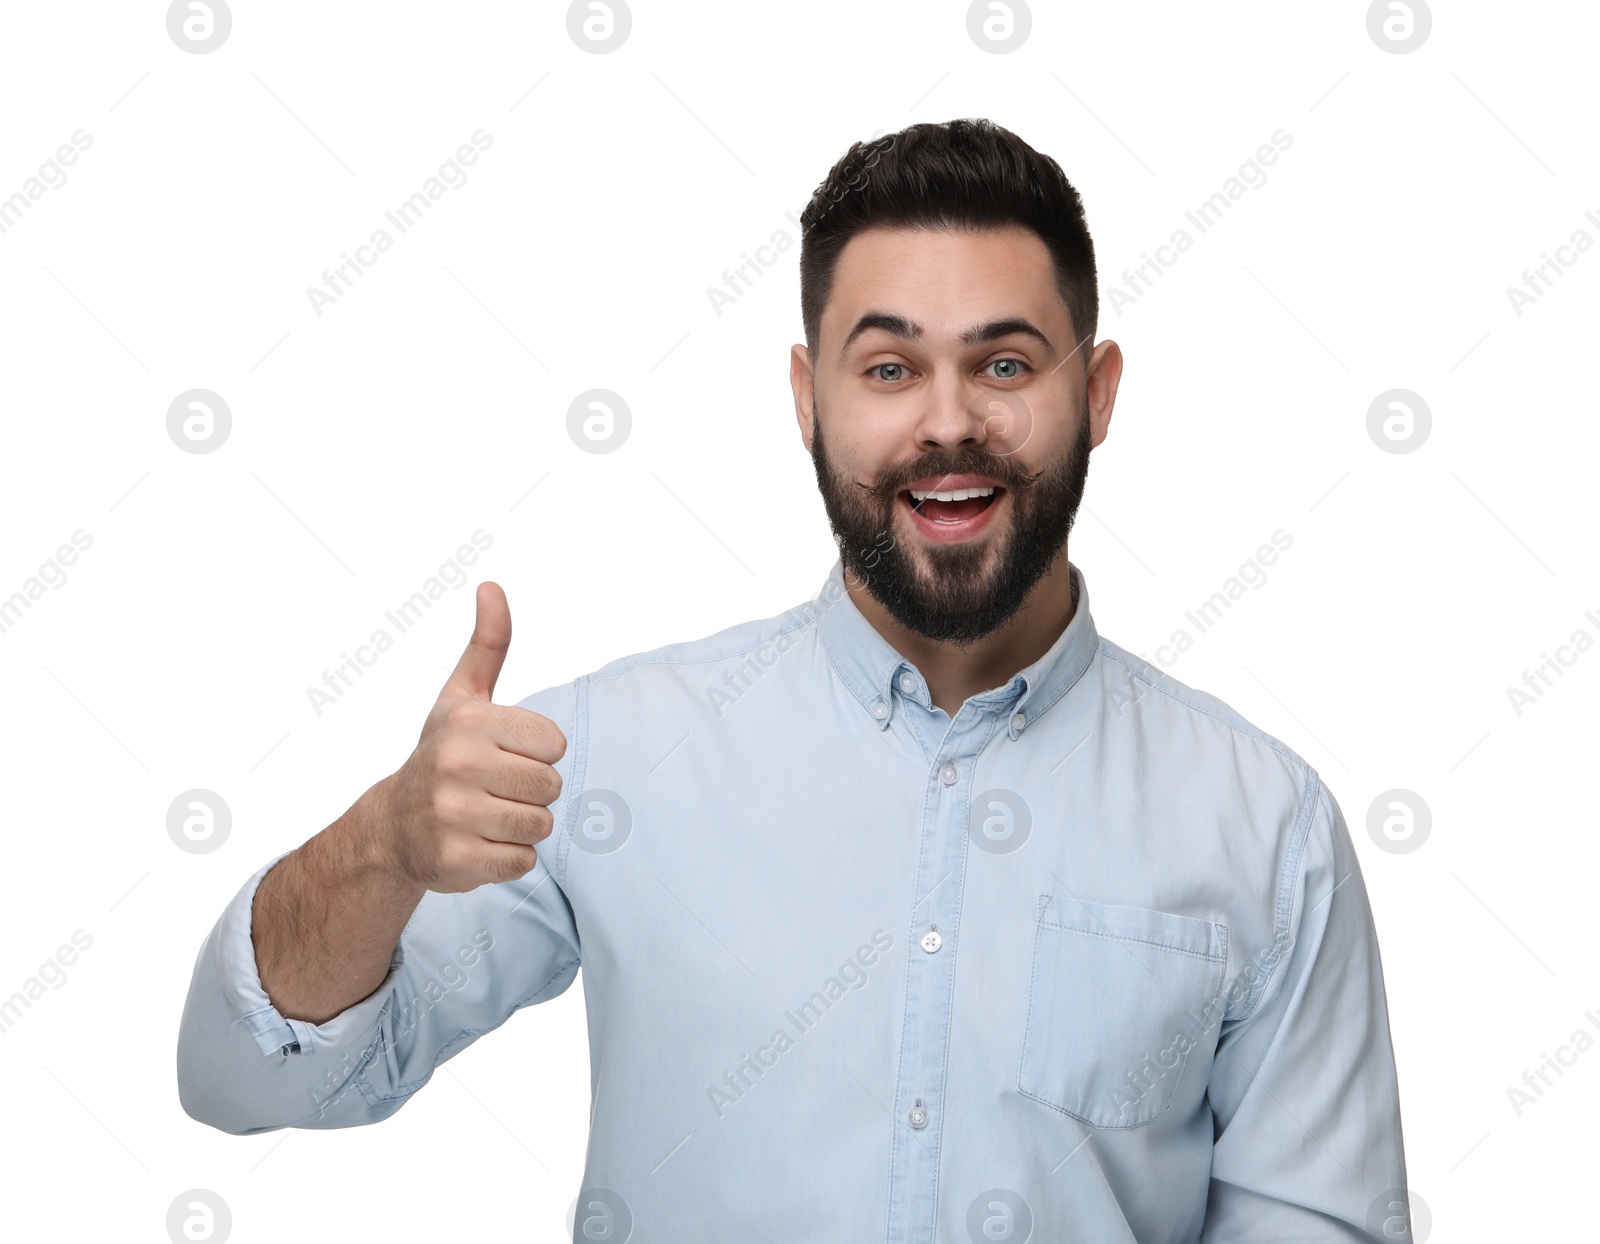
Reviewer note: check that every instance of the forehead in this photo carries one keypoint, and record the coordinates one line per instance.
(946, 281)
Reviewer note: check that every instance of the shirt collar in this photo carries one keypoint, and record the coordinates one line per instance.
(874, 671)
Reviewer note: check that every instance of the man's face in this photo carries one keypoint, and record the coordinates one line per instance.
(929, 379)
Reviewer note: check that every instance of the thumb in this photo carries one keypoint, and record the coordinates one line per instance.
(475, 673)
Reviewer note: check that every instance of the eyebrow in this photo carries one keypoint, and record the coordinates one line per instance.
(910, 330)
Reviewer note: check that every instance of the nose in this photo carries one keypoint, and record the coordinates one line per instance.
(956, 415)
(964, 415)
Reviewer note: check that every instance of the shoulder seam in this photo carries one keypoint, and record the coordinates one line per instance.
(1259, 735)
(578, 771)
(1311, 785)
(1293, 860)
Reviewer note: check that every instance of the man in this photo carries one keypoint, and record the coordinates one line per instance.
(920, 912)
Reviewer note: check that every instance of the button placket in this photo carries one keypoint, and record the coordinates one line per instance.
(929, 979)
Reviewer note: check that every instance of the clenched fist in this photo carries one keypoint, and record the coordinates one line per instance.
(474, 797)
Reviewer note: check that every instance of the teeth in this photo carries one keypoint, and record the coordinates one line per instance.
(960, 494)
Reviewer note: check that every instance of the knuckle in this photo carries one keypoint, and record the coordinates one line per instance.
(452, 860)
(531, 781)
(448, 805)
(443, 762)
(545, 735)
(508, 780)
(508, 825)
(463, 714)
(527, 824)
(508, 865)
(453, 760)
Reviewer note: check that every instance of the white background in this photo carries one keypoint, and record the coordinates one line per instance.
(370, 441)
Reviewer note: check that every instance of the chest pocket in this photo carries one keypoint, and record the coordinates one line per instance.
(1124, 1003)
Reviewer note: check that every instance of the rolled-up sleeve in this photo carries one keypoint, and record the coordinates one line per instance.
(1303, 1090)
(462, 966)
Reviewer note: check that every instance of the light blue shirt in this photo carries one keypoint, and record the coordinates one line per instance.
(1091, 961)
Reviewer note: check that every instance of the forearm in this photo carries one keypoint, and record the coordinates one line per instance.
(325, 919)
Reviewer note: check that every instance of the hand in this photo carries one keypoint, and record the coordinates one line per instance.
(467, 806)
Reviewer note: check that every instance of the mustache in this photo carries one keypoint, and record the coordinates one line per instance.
(1003, 471)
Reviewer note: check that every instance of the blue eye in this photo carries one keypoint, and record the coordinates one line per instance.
(1012, 362)
(891, 373)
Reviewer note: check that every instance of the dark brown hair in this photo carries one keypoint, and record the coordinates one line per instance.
(961, 174)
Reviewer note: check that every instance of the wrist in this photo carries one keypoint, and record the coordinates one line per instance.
(367, 830)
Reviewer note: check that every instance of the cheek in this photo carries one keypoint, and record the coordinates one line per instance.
(863, 450)
(1008, 422)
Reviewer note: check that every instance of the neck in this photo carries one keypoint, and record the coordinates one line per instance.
(955, 673)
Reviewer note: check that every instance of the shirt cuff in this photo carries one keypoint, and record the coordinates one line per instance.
(241, 983)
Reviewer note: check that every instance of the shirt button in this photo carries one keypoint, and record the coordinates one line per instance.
(908, 684)
(918, 1117)
(947, 774)
(880, 710)
(931, 941)
(1018, 720)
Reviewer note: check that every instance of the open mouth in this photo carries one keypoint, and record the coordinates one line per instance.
(950, 506)
(950, 516)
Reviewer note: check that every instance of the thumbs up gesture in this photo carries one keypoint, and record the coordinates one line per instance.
(473, 798)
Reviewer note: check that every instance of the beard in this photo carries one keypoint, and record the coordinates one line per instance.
(954, 593)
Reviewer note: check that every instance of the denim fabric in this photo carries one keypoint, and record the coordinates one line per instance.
(1091, 961)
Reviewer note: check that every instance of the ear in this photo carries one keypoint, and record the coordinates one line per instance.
(1105, 374)
(803, 381)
